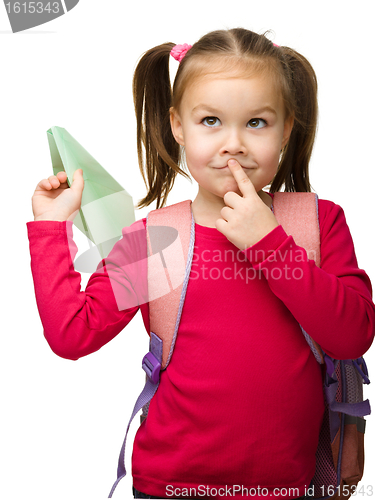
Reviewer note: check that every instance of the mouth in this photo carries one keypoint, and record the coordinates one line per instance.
(226, 166)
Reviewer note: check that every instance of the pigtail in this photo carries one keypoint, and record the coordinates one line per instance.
(158, 152)
(294, 165)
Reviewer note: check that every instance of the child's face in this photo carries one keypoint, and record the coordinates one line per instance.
(222, 118)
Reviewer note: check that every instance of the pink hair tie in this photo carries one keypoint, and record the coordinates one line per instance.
(276, 45)
(179, 51)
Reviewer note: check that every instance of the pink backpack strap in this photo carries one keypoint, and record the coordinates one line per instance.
(170, 245)
(340, 452)
(170, 248)
(298, 214)
(299, 217)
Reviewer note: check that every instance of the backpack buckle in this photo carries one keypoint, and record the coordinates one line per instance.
(362, 369)
(152, 367)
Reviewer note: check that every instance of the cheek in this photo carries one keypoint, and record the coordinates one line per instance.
(198, 148)
(270, 152)
(193, 160)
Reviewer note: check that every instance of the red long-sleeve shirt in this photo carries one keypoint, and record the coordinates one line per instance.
(241, 402)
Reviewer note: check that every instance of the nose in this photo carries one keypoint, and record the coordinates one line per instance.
(233, 143)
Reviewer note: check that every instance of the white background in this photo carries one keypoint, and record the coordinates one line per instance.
(62, 422)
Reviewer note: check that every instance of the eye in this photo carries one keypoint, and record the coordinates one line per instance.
(211, 121)
(256, 123)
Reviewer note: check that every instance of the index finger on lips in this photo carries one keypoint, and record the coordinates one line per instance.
(244, 183)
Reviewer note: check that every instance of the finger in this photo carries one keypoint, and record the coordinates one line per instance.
(62, 176)
(221, 225)
(78, 182)
(244, 183)
(43, 185)
(231, 199)
(54, 181)
(226, 212)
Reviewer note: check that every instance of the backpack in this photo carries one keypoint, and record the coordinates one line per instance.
(170, 238)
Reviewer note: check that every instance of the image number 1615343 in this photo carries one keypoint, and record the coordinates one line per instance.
(33, 7)
(23, 15)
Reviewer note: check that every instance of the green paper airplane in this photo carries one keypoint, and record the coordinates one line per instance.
(106, 207)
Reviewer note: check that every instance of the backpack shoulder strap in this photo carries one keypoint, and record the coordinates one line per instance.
(170, 246)
(298, 214)
(339, 456)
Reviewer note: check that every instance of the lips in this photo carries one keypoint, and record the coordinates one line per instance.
(226, 166)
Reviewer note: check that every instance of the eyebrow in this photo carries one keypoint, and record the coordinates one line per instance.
(204, 107)
(255, 112)
(265, 109)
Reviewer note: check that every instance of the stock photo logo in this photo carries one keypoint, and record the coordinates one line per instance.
(23, 15)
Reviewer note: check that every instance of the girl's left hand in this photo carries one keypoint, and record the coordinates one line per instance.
(245, 220)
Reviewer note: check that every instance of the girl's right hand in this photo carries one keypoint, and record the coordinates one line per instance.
(53, 199)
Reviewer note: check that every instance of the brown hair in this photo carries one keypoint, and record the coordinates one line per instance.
(159, 154)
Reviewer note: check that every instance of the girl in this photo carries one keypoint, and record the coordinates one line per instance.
(244, 113)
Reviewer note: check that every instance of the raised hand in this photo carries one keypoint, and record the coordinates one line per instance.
(247, 219)
(53, 199)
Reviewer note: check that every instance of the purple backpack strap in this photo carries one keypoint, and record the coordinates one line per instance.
(170, 247)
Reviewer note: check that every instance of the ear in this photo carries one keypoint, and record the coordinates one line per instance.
(176, 126)
(288, 127)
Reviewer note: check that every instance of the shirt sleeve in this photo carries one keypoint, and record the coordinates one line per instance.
(333, 302)
(75, 322)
